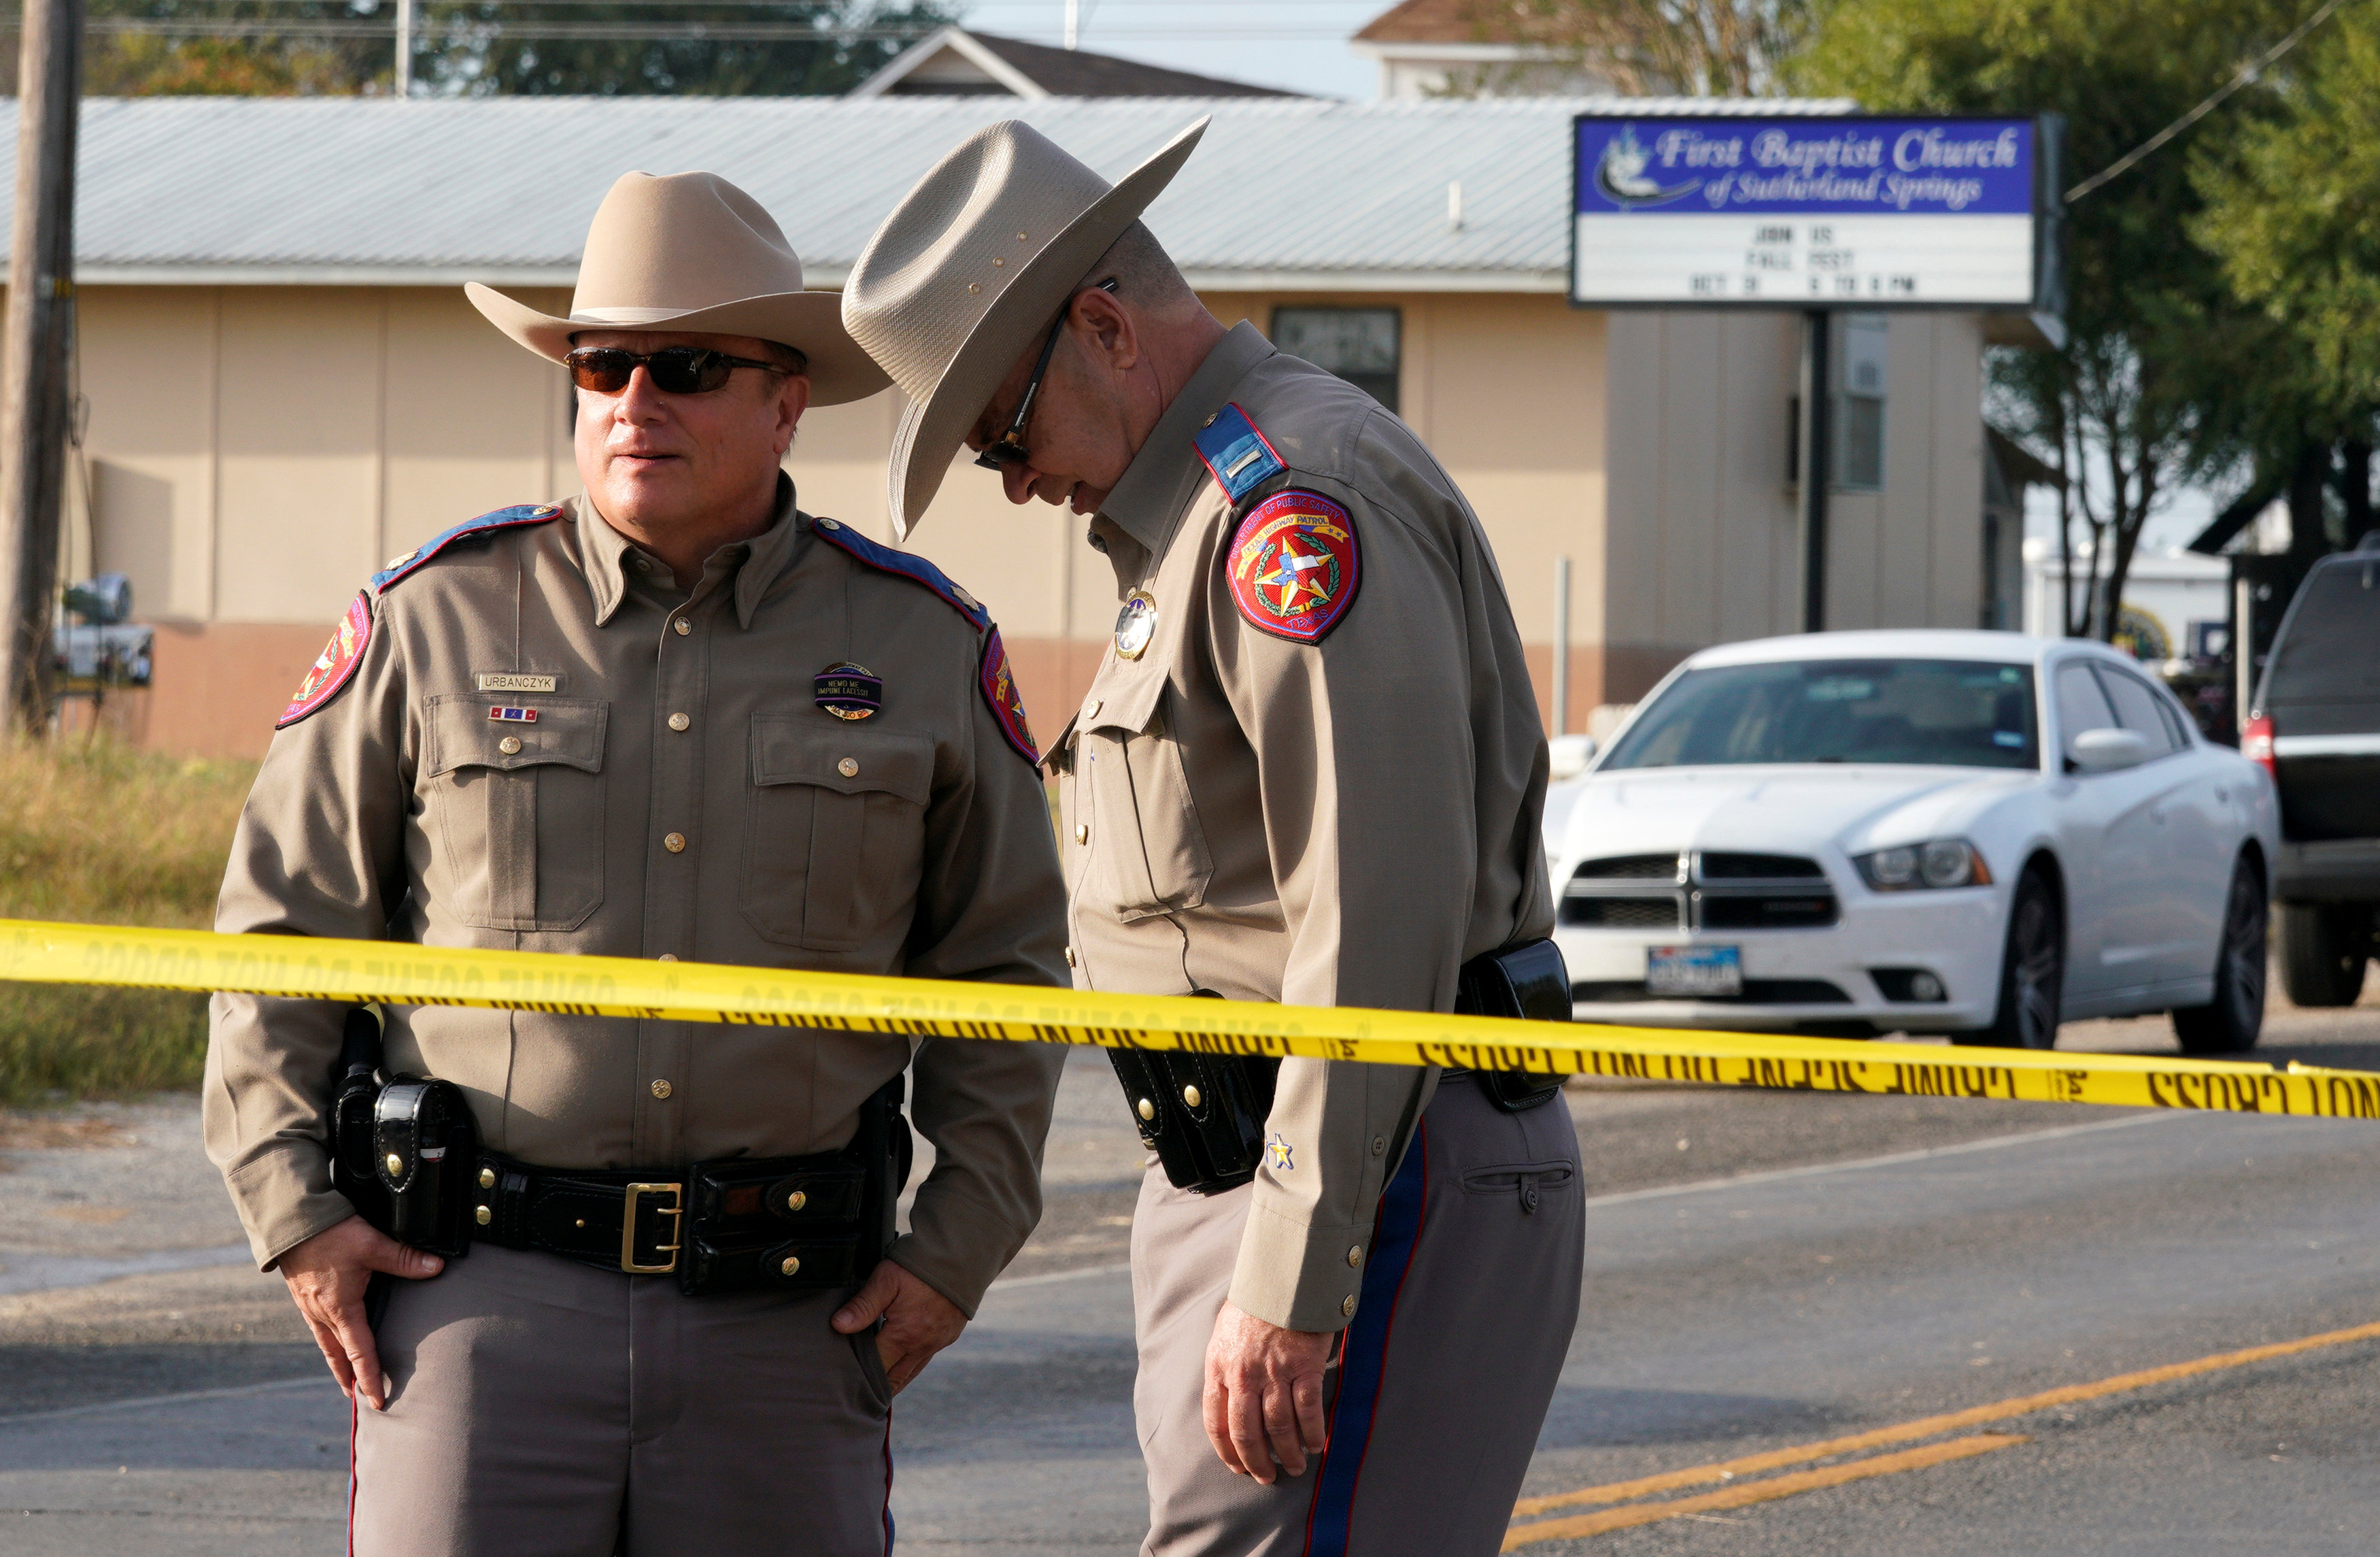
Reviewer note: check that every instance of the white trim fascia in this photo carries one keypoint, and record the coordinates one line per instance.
(1468, 53)
(820, 277)
(959, 42)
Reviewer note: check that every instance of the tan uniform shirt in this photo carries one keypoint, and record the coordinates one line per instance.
(679, 793)
(1337, 822)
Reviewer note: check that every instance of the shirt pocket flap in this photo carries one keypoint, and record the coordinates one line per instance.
(479, 730)
(1125, 703)
(793, 748)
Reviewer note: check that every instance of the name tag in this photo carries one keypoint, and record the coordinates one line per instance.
(511, 681)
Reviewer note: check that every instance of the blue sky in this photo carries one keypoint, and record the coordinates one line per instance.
(1300, 44)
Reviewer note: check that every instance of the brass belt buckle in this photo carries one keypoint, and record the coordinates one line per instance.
(633, 1193)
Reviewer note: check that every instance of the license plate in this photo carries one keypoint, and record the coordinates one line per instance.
(1693, 971)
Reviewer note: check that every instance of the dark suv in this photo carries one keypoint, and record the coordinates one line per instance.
(2316, 727)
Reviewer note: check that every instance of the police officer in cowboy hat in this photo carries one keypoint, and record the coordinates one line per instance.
(675, 717)
(1310, 769)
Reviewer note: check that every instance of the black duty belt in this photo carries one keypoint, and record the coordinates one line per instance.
(740, 1224)
(1204, 1114)
(405, 1150)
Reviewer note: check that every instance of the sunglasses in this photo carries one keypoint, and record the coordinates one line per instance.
(1009, 447)
(677, 369)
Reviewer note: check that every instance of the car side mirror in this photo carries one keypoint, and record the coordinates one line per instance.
(2110, 750)
(1568, 756)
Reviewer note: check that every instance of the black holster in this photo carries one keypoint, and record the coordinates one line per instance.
(1204, 1114)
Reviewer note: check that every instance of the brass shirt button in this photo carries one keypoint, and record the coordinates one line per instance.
(660, 1088)
(1355, 1255)
(1192, 1096)
(1093, 712)
(848, 768)
(509, 746)
(682, 626)
(679, 721)
(1347, 1306)
(1380, 1144)
(666, 957)
(1070, 957)
(486, 1216)
(487, 1178)
(1083, 833)
(674, 843)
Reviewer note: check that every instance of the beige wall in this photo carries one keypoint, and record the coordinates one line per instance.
(255, 453)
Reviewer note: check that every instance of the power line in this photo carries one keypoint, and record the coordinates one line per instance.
(2247, 73)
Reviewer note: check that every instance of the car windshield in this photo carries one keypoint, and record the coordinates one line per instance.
(1964, 713)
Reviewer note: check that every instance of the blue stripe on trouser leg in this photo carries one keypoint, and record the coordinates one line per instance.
(1363, 1353)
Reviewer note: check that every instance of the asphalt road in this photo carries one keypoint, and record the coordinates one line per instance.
(1766, 1274)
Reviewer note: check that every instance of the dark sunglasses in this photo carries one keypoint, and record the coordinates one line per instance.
(677, 369)
(1009, 447)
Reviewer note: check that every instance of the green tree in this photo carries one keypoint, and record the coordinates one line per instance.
(795, 47)
(2291, 213)
(2119, 409)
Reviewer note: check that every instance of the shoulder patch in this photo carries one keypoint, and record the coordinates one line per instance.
(1236, 452)
(1293, 565)
(908, 565)
(503, 518)
(1007, 705)
(335, 667)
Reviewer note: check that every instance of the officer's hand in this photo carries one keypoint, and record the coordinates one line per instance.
(327, 1275)
(1264, 1394)
(918, 1322)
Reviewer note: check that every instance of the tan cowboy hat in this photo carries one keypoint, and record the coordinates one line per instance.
(692, 251)
(970, 268)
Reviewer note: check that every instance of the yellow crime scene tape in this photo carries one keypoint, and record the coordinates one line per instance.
(399, 973)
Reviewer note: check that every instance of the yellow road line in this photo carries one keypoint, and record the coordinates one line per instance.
(1761, 1492)
(1930, 1426)
(400, 973)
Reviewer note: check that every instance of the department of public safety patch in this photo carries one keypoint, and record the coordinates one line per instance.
(1007, 705)
(333, 666)
(1293, 565)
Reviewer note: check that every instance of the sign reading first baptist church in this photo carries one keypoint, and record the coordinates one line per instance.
(1841, 212)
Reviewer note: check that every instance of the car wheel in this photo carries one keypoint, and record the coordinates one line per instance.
(2324, 948)
(2229, 1024)
(2033, 971)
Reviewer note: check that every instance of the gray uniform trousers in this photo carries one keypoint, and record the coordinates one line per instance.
(541, 1408)
(1434, 1397)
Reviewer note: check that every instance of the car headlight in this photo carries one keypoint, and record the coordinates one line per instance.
(1941, 862)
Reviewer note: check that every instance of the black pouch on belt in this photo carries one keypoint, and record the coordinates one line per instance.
(426, 1148)
(1202, 1114)
(1529, 982)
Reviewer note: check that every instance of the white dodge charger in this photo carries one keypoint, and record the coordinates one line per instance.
(1965, 832)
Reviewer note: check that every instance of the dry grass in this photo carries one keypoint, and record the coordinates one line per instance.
(100, 834)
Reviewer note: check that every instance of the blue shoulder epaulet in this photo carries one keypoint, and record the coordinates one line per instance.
(503, 518)
(1237, 454)
(916, 569)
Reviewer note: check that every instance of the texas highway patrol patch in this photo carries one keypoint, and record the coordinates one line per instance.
(333, 666)
(1293, 565)
(1007, 704)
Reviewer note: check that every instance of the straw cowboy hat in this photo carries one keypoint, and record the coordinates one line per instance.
(969, 270)
(692, 251)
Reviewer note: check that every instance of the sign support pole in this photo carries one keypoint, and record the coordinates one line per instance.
(1816, 439)
(1561, 646)
(35, 359)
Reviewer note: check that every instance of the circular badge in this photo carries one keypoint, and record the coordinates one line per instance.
(1135, 624)
(848, 691)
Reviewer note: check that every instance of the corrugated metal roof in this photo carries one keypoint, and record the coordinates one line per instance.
(1283, 193)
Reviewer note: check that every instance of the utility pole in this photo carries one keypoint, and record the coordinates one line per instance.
(404, 49)
(37, 353)
(1073, 22)
(1817, 382)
